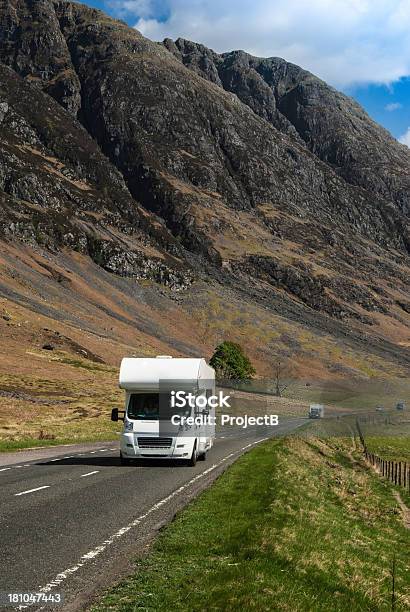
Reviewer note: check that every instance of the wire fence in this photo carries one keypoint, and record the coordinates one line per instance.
(397, 472)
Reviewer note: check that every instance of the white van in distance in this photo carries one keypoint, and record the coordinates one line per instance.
(149, 384)
(316, 411)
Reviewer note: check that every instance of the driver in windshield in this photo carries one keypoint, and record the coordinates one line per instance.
(151, 411)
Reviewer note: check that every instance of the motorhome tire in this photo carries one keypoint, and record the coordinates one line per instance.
(194, 457)
(202, 457)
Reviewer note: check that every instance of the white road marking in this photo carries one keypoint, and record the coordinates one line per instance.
(103, 450)
(5, 469)
(62, 577)
(90, 474)
(31, 491)
(54, 460)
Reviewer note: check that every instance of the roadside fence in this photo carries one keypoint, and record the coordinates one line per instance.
(397, 472)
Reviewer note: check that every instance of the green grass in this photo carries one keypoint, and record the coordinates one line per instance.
(295, 525)
(389, 436)
(392, 448)
(86, 365)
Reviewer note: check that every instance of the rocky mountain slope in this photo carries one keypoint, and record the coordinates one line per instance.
(219, 179)
(333, 126)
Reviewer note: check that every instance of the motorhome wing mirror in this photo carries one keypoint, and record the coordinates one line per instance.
(115, 415)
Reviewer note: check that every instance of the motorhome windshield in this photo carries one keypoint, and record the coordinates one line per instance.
(148, 407)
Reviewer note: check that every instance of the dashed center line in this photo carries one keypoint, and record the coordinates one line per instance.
(31, 491)
(90, 474)
(56, 460)
(63, 576)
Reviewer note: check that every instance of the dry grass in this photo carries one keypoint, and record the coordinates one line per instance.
(99, 315)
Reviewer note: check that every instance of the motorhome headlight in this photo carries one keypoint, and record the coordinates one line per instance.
(128, 426)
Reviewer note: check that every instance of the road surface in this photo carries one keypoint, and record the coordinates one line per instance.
(72, 519)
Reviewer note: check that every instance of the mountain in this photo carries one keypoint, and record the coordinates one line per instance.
(334, 127)
(161, 197)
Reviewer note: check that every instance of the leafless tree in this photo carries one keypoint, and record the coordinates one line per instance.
(280, 385)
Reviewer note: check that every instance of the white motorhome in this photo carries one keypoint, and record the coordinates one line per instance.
(316, 411)
(147, 432)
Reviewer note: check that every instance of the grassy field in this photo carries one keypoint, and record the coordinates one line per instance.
(66, 394)
(395, 448)
(389, 439)
(294, 525)
(71, 404)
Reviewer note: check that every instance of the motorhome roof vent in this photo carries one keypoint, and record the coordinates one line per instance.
(164, 357)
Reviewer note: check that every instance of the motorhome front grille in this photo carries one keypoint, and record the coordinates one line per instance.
(154, 442)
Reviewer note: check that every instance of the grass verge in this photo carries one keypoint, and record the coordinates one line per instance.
(8, 446)
(295, 525)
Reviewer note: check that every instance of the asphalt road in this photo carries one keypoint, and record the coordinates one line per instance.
(72, 519)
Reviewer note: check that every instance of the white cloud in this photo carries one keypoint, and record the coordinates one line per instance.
(345, 42)
(141, 9)
(393, 106)
(405, 139)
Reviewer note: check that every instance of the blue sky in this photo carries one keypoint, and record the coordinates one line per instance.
(362, 47)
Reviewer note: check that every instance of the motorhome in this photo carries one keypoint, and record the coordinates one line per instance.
(156, 428)
(316, 411)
